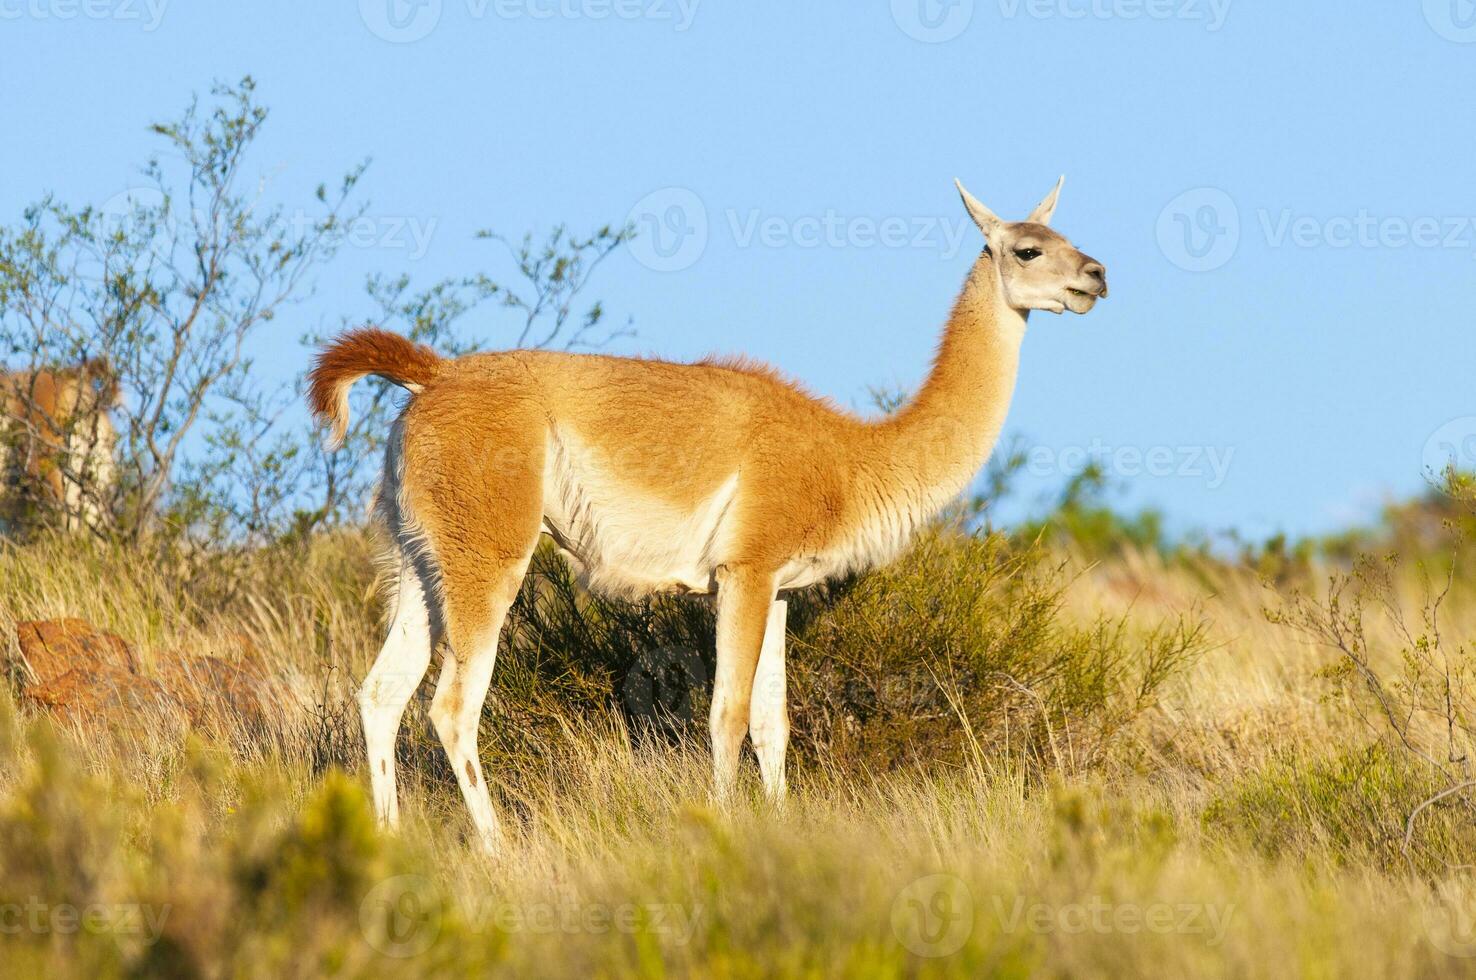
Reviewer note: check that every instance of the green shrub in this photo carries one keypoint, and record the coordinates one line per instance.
(1349, 808)
(960, 651)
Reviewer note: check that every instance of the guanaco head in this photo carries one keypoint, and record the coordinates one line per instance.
(1039, 268)
(99, 375)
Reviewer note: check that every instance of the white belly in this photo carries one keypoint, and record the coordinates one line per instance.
(623, 542)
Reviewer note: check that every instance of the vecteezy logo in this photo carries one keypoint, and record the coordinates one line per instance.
(1454, 20)
(933, 21)
(1451, 925)
(1452, 446)
(133, 209)
(400, 21)
(401, 916)
(934, 916)
(670, 229)
(1199, 230)
(661, 684)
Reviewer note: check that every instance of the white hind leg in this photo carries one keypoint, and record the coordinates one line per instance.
(461, 691)
(768, 714)
(396, 674)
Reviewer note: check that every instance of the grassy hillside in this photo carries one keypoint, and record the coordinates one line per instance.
(1010, 758)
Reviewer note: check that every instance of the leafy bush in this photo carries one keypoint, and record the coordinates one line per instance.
(960, 652)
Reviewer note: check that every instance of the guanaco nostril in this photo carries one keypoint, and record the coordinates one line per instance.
(1097, 272)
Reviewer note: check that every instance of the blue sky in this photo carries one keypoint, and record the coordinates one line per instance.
(1282, 194)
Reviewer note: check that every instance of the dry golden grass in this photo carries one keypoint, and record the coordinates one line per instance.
(1246, 822)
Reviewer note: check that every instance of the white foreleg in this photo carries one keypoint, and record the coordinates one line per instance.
(768, 719)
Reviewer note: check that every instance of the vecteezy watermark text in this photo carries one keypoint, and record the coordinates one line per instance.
(673, 229)
(148, 14)
(1211, 13)
(1101, 917)
(402, 917)
(145, 210)
(405, 21)
(1208, 463)
(1201, 229)
(935, 915)
(832, 229)
(399, 233)
(937, 21)
(37, 917)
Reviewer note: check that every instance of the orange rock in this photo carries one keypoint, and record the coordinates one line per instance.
(203, 682)
(55, 647)
(103, 696)
(82, 675)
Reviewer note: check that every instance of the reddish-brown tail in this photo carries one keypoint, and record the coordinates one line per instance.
(358, 353)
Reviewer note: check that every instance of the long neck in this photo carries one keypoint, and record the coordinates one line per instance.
(944, 435)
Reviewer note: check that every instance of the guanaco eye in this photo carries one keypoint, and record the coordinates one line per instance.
(1027, 254)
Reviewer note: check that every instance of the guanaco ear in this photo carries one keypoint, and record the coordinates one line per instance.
(1043, 211)
(986, 219)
